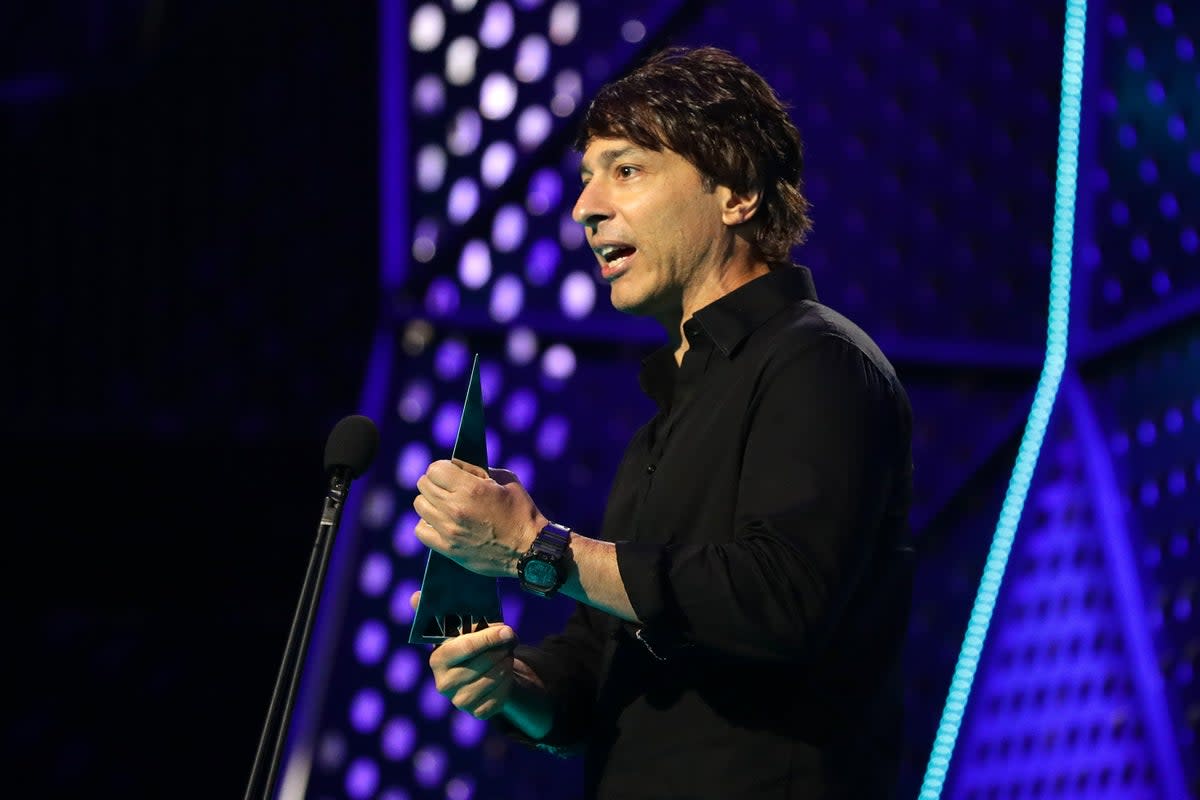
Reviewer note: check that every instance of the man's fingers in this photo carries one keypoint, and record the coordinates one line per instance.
(415, 600)
(503, 476)
(478, 472)
(462, 648)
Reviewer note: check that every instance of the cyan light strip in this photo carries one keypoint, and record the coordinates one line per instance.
(1039, 415)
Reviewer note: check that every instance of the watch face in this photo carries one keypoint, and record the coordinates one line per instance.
(540, 573)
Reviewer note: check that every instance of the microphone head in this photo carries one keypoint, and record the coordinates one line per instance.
(352, 444)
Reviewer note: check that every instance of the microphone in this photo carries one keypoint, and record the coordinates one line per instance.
(349, 451)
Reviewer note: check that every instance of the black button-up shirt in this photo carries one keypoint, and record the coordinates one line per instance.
(761, 523)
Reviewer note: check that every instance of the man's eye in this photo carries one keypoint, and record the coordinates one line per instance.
(626, 172)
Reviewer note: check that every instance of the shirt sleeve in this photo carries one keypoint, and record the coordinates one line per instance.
(568, 664)
(822, 440)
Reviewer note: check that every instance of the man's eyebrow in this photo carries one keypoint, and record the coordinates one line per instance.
(609, 156)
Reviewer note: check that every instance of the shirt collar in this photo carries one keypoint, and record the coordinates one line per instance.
(729, 320)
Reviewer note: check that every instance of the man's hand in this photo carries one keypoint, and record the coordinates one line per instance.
(483, 521)
(474, 671)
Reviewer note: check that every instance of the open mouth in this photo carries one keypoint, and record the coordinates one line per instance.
(614, 257)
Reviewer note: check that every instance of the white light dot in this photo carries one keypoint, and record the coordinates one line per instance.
(431, 167)
(564, 22)
(331, 752)
(578, 295)
(425, 237)
(522, 346)
(533, 126)
(498, 161)
(533, 58)
(463, 200)
(429, 95)
(497, 26)
(569, 83)
(558, 362)
(633, 31)
(508, 228)
(416, 401)
(427, 27)
(460, 788)
(462, 5)
(465, 132)
(497, 96)
(475, 264)
(508, 295)
(563, 105)
(460, 60)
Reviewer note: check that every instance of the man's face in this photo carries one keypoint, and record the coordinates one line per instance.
(654, 228)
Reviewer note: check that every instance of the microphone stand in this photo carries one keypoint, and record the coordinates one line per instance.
(276, 724)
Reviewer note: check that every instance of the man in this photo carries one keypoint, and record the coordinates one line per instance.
(740, 617)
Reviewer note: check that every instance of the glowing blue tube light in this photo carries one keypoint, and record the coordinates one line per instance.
(1039, 415)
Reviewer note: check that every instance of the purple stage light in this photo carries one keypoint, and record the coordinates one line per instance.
(362, 778)
(403, 670)
(465, 132)
(497, 26)
(425, 241)
(452, 359)
(1139, 248)
(533, 58)
(1163, 15)
(415, 401)
(1188, 240)
(512, 606)
(426, 28)
(462, 200)
(441, 299)
(375, 575)
(508, 295)
(1176, 127)
(497, 96)
(399, 606)
(378, 507)
(570, 232)
(633, 31)
(491, 381)
(394, 793)
(411, 464)
(497, 164)
(429, 765)
(493, 446)
(371, 643)
(1184, 48)
(431, 167)
(542, 262)
(460, 60)
(366, 710)
(466, 730)
(564, 22)
(398, 738)
(429, 95)
(522, 346)
(404, 541)
(1168, 205)
(1160, 282)
(475, 264)
(508, 228)
(533, 126)
(520, 411)
(460, 788)
(431, 703)
(552, 437)
(331, 751)
(545, 191)
(558, 362)
(445, 424)
(522, 466)
(578, 295)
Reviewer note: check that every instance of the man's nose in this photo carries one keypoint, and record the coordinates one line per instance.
(591, 208)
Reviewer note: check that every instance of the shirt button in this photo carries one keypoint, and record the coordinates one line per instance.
(650, 469)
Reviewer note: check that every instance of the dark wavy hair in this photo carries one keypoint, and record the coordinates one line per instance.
(712, 109)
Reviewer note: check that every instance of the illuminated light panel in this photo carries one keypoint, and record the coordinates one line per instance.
(416, 400)
(570, 233)
(522, 467)
(460, 788)
(377, 508)
(497, 26)
(405, 542)
(533, 58)
(520, 412)
(371, 643)
(403, 671)
(331, 751)
(375, 575)
(633, 31)
(426, 29)
(521, 346)
(491, 381)
(411, 464)
(362, 778)
(441, 299)
(545, 191)
(508, 228)
(366, 710)
(558, 362)
(398, 738)
(542, 262)
(451, 360)
(1039, 415)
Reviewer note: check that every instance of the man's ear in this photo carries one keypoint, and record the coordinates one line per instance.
(738, 208)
